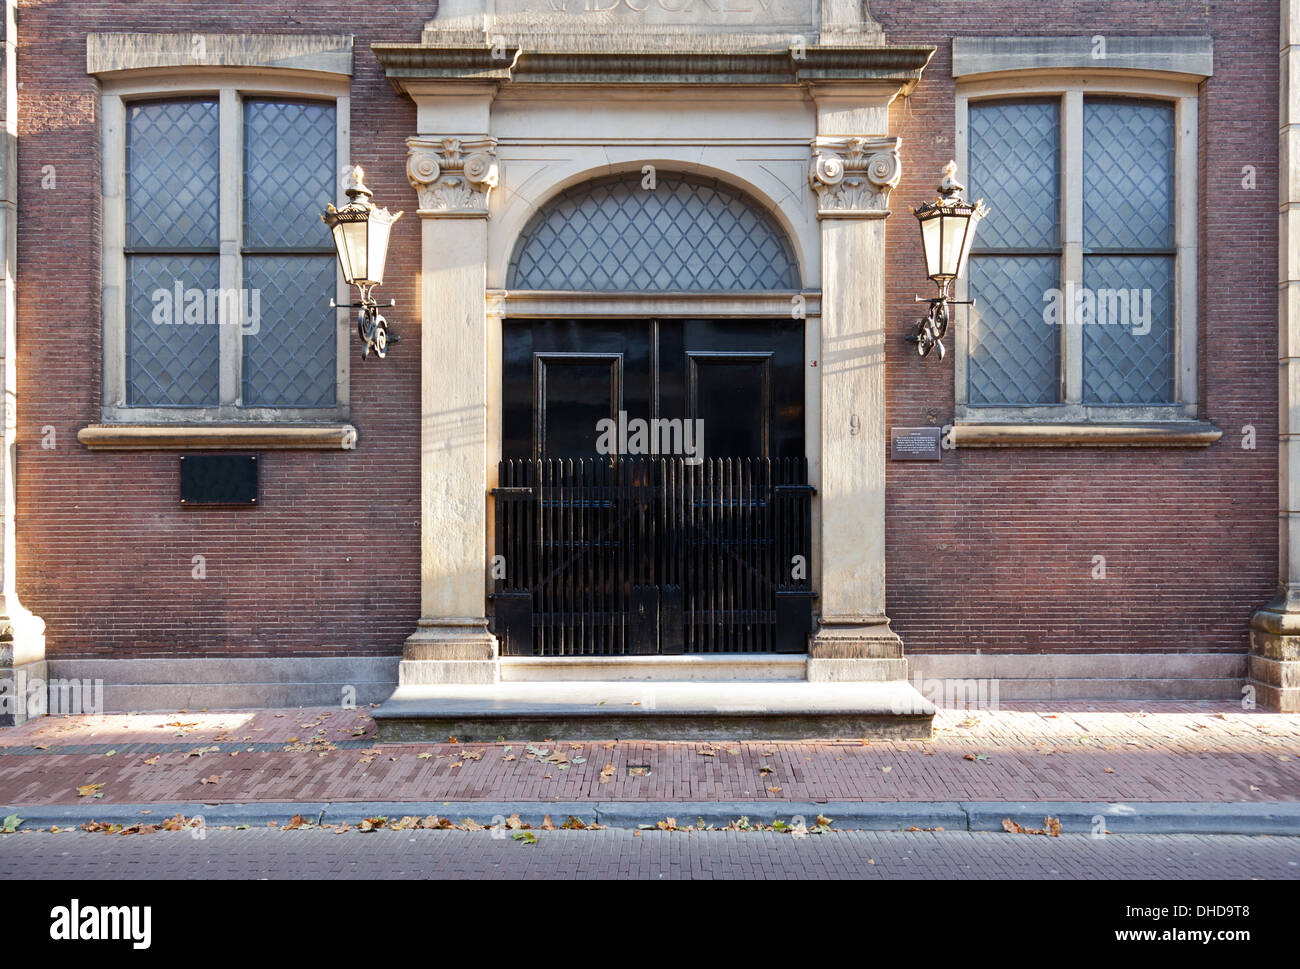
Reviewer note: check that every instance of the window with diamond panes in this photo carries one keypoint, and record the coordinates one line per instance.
(685, 234)
(1129, 251)
(1122, 325)
(276, 331)
(1013, 357)
(290, 349)
(172, 252)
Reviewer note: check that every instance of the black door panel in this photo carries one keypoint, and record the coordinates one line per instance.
(644, 552)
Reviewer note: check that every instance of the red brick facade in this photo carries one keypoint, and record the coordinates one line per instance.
(990, 550)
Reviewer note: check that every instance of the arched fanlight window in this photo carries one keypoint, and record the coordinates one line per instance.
(687, 234)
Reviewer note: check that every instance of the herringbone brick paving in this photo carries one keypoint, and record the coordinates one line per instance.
(1032, 752)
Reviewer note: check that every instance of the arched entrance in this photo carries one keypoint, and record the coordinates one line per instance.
(653, 493)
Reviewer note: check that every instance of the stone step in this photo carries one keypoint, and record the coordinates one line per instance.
(684, 710)
(725, 666)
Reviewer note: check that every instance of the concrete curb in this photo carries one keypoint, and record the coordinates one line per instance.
(1076, 817)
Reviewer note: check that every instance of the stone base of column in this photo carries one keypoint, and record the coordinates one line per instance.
(1274, 663)
(449, 651)
(22, 664)
(855, 648)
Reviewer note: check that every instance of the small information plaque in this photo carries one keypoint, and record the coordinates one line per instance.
(915, 444)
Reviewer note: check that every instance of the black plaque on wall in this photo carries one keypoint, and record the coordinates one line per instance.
(915, 444)
(219, 479)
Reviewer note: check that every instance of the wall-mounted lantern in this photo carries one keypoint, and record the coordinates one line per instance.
(361, 234)
(947, 231)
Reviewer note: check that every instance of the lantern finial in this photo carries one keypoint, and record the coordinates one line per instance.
(950, 186)
(357, 186)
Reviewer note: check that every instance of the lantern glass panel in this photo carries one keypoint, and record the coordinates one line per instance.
(377, 249)
(954, 236)
(968, 240)
(932, 243)
(354, 244)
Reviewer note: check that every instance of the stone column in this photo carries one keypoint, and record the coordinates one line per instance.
(22, 635)
(454, 177)
(852, 175)
(1274, 663)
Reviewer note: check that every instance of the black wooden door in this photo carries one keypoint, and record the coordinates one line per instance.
(692, 534)
(742, 379)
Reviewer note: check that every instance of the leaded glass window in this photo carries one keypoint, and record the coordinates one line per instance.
(289, 359)
(257, 309)
(1014, 163)
(685, 234)
(1128, 240)
(1080, 314)
(172, 251)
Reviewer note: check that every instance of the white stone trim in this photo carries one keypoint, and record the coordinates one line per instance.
(1183, 94)
(111, 54)
(567, 305)
(228, 87)
(983, 56)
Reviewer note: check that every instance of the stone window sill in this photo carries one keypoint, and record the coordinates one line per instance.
(223, 437)
(1163, 434)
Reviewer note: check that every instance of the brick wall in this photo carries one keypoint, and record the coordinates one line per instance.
(993, 549)
(329, 560)
(989, 550)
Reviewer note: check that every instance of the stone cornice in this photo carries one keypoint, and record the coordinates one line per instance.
(901, 66)
(853, 176)
(454, 175)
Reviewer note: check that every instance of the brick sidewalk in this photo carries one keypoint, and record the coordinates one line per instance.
(1029, 752)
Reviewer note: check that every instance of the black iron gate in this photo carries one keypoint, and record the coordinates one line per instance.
(614, 557)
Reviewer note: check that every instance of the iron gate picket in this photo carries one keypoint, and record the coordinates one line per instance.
(633, 556)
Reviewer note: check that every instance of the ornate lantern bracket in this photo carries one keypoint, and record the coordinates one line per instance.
(947, 233)
(361, 232)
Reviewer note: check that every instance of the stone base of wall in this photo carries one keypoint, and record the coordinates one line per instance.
(166, 684)
(16, 685)
(1086, 676)
(1274, 670)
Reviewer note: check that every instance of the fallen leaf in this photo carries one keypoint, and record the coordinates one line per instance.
(211, 779)
(607, 773)
(89, 790)
(152, 760)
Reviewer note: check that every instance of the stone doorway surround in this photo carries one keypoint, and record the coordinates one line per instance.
(509, 114)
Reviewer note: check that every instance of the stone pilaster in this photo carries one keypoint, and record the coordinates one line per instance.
(852, 176)
(22, 635)
(453, 177)
(1274, 670)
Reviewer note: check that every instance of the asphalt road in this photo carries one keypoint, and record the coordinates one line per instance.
(262, 853)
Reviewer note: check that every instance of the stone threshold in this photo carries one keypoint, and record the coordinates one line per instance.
(690, 666)
(690, 710)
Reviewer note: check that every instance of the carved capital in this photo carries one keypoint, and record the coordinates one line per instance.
(452, 176)
(853, 176)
